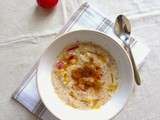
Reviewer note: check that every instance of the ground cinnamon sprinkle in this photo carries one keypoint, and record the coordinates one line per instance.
(86, 77)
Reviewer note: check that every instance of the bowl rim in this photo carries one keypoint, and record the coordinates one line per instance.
(85, 30)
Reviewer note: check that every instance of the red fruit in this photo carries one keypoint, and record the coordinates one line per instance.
(73, 48)
(47, 3)
(60, 65)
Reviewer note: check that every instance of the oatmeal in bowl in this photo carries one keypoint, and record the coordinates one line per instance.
(85, 76)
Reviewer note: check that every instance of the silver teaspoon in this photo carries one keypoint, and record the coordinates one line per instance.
(122, 29)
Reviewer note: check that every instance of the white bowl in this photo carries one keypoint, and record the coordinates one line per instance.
(64, 112)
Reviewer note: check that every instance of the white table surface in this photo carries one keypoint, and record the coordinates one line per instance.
(26, 30)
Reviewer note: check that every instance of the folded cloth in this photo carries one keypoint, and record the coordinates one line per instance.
(86, 17)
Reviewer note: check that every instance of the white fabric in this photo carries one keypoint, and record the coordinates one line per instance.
(22, 41)
(86, 17)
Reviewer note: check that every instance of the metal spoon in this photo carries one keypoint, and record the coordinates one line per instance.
(122, 29)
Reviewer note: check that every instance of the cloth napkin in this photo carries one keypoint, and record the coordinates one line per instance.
(86, 17)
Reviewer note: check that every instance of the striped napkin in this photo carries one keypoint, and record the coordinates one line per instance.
(86, 17)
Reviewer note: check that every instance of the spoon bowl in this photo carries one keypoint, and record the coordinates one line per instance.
(122, 28)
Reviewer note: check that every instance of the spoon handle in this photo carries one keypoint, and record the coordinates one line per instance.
(136, 74)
